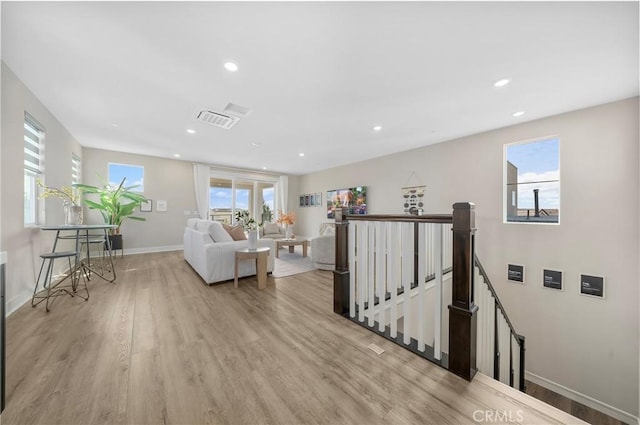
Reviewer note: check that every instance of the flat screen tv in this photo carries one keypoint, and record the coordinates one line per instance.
(354, 198)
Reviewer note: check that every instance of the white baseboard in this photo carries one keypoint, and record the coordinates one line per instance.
(150, 249)
(16, 302)
(591, 402)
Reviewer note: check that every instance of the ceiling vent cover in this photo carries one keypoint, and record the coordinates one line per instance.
(217, 119)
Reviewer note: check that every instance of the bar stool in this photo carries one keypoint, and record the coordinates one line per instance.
(94, 240)
(56, 289)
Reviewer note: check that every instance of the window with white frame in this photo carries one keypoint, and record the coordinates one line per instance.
(33, 170)
(76, 170)
(133, 176)
(532, 181)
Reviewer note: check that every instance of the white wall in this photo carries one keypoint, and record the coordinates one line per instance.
(164, 179)
(24, 245)
(590, 346)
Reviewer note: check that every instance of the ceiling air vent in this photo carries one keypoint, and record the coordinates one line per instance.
(217, 119)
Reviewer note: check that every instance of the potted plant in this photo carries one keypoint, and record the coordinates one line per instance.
(71, 201)
(287, 219)
(115, 203)
(249, 225)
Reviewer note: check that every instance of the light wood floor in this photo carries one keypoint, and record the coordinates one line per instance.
(160, 347)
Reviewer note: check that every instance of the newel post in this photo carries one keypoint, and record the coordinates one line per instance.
(462, 311)
(341, 273)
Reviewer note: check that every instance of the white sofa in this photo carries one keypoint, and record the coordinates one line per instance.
(214, 260)
(323, 248)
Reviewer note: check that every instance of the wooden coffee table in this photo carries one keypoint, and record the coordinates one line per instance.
(291, 243)
(260, 255)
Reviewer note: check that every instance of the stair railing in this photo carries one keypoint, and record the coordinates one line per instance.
(388, 266)
(497, 336)
(382, 254)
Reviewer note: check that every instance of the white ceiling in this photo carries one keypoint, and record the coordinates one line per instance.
(317, 76)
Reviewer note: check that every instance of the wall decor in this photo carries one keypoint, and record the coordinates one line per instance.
(161, 206)
(413, 199)
(592, 285)
(355, 199)
(146, 206)
(515, 273)
(552, 279)
(311, 200)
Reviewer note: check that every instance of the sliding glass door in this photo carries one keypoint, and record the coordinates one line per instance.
(230, 194)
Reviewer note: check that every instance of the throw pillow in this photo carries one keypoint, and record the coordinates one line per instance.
(218, 234)
(271, 228)
(236, 232)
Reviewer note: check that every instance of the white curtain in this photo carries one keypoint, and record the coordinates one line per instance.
(283, 194)
(201, 180)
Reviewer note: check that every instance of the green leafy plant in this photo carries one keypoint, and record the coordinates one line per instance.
(267, 214)
(115, 203)
(245, 220)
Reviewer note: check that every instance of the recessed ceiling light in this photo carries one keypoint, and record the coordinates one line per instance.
(264, 168)
(256, 144)
(190, 131)
(377, 128)
(301, 154)
(177, 155)
(518, 114)
(114, 125)
(230, 66)
(501, 83)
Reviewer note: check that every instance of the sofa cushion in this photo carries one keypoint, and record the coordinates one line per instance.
(217, 232)
(271, 228)
(236, 232)
(191, 223)
(329, 230)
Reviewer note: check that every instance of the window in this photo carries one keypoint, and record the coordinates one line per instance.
(134, 175)
(33, 170)
(229, 194)
(76, 170)
(532, 181)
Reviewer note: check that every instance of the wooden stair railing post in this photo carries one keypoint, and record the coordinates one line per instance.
(341, 272)
(521, 339)
(462, 311)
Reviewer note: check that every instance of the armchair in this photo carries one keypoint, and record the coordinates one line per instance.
(323, 248)
(272, 231)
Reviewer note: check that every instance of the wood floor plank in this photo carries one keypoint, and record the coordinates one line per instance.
(161, 347)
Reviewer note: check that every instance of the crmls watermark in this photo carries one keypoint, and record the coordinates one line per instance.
(498, 416)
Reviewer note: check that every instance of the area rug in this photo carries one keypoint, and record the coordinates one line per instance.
(292, 264)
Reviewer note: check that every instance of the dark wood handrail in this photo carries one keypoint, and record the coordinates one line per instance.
(495, 296)
(519, 338)
(431, 218)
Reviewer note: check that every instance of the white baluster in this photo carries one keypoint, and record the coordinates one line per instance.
(361, 255)
(437, 331)
(407, 278)
(422, 284)
(381, 259)
(352, 269)
(371, 237)
(393, 258)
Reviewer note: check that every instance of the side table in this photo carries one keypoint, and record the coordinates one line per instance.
(260, 255)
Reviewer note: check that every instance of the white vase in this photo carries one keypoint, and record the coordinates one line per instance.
(253, 239)
(289, 232)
